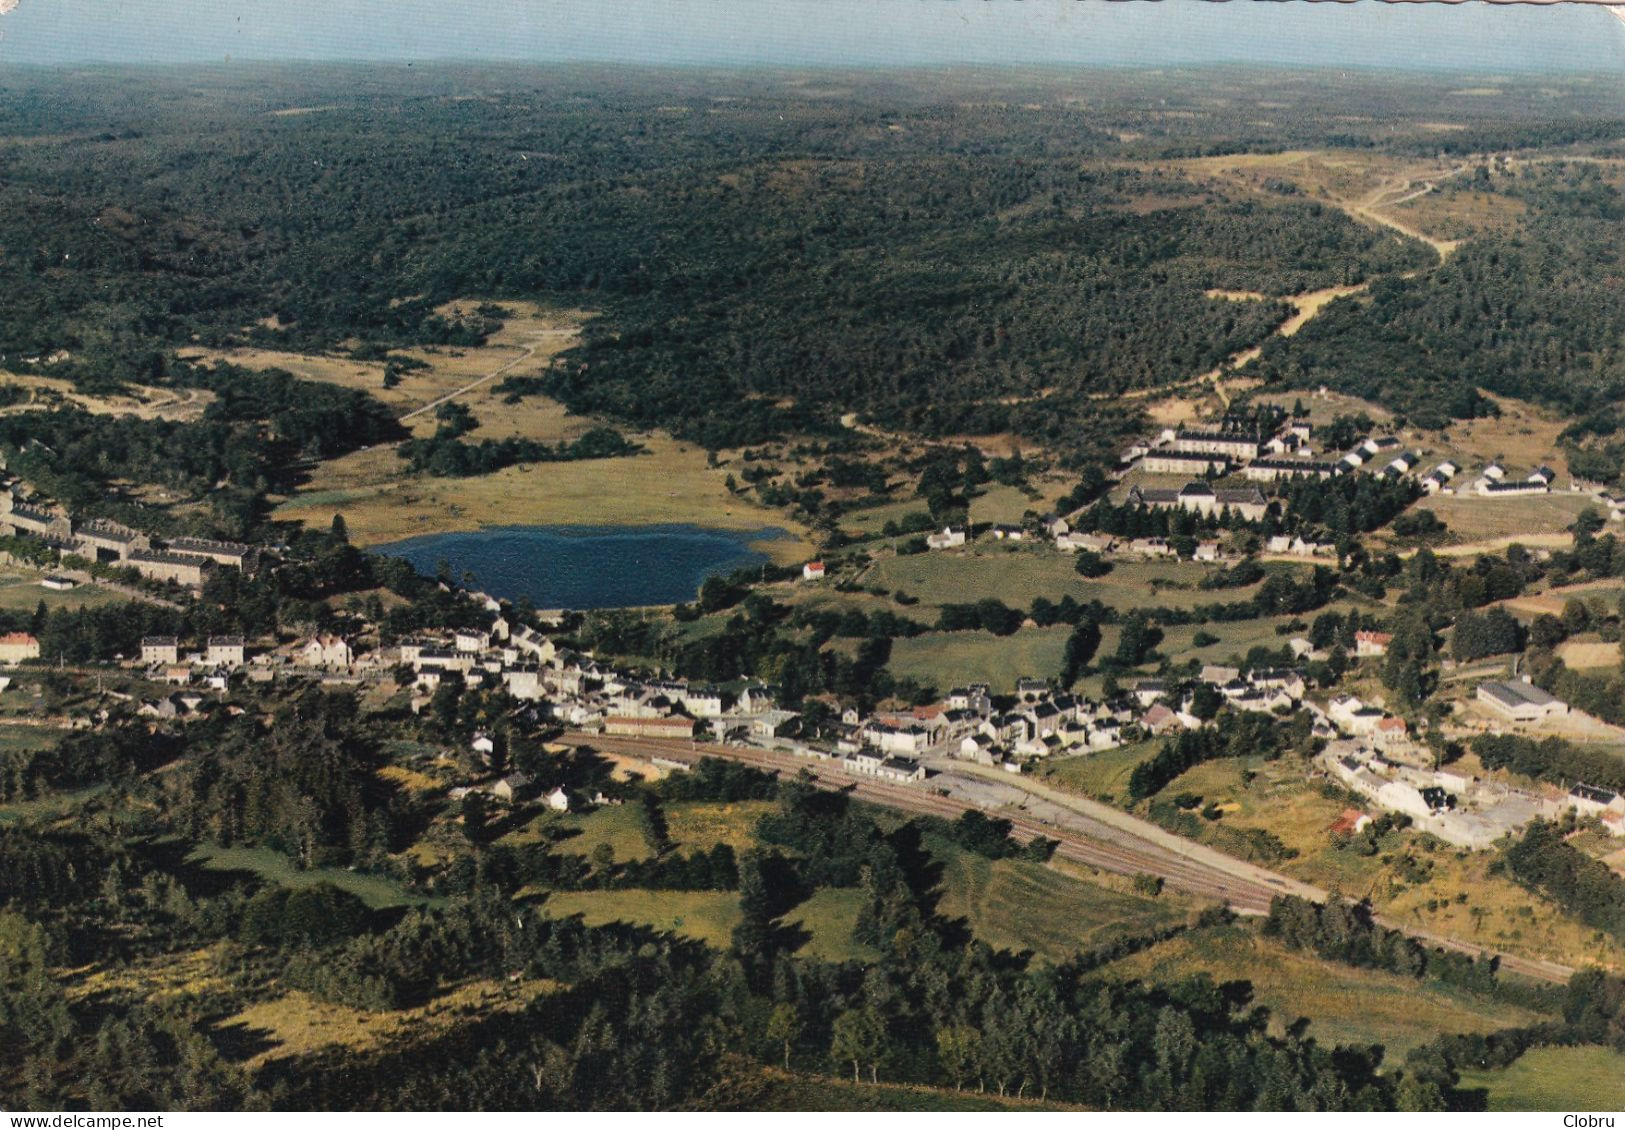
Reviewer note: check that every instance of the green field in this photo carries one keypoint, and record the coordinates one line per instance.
(1582, 1079)
(705, 916)
(1017, 574)
(702, 825)
(46, 806)
(1345, 1005)
(622, 827)
(1101, 775)
(274, 867)
(27, 737)
(1012, 904)
(829, 916)
(947, 659)
(22, 593)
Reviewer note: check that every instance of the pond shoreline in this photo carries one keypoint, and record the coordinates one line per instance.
(590, 566)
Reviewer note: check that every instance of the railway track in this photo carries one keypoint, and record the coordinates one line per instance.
(1089, 842)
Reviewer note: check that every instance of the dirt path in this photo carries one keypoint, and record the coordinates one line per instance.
(527, 354)
(1368, 209)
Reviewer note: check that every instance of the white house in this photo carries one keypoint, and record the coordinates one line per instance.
(1368, 643)
(224, 651)
(330, 652)
(558, 800)
(812, 571)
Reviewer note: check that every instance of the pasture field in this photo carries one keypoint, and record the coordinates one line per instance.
(1098, 775)
(623, 827)
(1553, 600)
(669, 482)
(770, 1089)
(702, 825)
(530, 337)
(44, 807)
(829, 917)
(705, 916)
(1017, 905)
(1583, 1078)
(22, 592)
(1345, 1005)
(376, 891)
(298, 1024)
(1017, 574)
(1533, 520)
(948, 659)
(27, 737)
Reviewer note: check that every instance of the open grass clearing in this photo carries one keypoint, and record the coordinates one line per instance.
(622, 826)
(702, 825)
(376, 891)
(1345, 1005)
(297, 1024)
(1017, 574)
(1567, 1079)
(770, 1089)
(1099, 775)
(829, 917)
(46, 806)
(949, 659)
(1490, 523)
(1021, 906)
(142, 401)
(669, 483)
(705, 916)
(21, 592)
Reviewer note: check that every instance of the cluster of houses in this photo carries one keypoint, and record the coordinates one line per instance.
(1373, 754)
(965, 725)
(582, 693)
(1258, 455)
(183, 561)
(1466, 811)
(1493, 482)
(1444, 802)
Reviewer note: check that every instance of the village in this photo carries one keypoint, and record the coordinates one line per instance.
(1367, 751)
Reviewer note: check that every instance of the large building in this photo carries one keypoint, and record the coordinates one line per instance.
(1200, 498)
(160, 649)
(225, 651)
(1518, 701)
(1235, 445)
(23, 518)
(233, 555)
(101, 540)
(669, 727)
(156, 565)
(1270, 469)
(1162, 461)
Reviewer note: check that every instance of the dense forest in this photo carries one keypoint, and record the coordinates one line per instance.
(769, 260)
(630, 1018)
(1533, 314)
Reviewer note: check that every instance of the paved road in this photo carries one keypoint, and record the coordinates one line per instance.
(1087, 832)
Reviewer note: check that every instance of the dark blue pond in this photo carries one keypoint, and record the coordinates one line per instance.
(586, 566)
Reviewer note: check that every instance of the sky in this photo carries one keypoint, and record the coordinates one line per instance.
(1470, 36)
